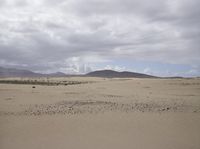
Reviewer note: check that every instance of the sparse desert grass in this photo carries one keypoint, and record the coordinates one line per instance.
(36, 82)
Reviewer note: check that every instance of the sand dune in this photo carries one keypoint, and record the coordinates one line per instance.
(102, 113)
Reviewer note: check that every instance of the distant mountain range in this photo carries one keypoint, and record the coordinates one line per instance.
(13, 72)
(116, 74)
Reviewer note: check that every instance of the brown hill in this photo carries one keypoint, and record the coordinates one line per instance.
(116, 74)
(13, 72)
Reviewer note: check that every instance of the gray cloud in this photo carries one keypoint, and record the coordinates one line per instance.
(68, 35)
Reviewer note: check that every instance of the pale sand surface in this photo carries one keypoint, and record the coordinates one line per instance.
(102, 113)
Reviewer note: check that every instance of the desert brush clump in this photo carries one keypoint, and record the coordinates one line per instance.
(36, 82)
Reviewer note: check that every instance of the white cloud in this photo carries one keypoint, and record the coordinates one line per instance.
(147, 70)
(114, 67)
(45, 35)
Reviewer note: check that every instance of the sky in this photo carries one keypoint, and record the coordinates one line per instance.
(157, 37)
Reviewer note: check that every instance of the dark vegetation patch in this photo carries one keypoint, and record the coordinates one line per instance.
(111, 96)
(9, 98)
(73, 93)
(185, 83)
(189, 95)
(36, 82)
(147, 87)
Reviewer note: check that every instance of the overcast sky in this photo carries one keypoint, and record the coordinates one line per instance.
(158, 37)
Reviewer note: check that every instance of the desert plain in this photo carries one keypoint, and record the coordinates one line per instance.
(99, 113)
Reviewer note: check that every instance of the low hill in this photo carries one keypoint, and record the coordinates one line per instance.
(57, 74)
(116, 74)
(13, 72)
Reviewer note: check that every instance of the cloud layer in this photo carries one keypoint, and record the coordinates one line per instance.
(78, 36)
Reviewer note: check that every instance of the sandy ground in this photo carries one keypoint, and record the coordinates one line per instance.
(102, 113)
